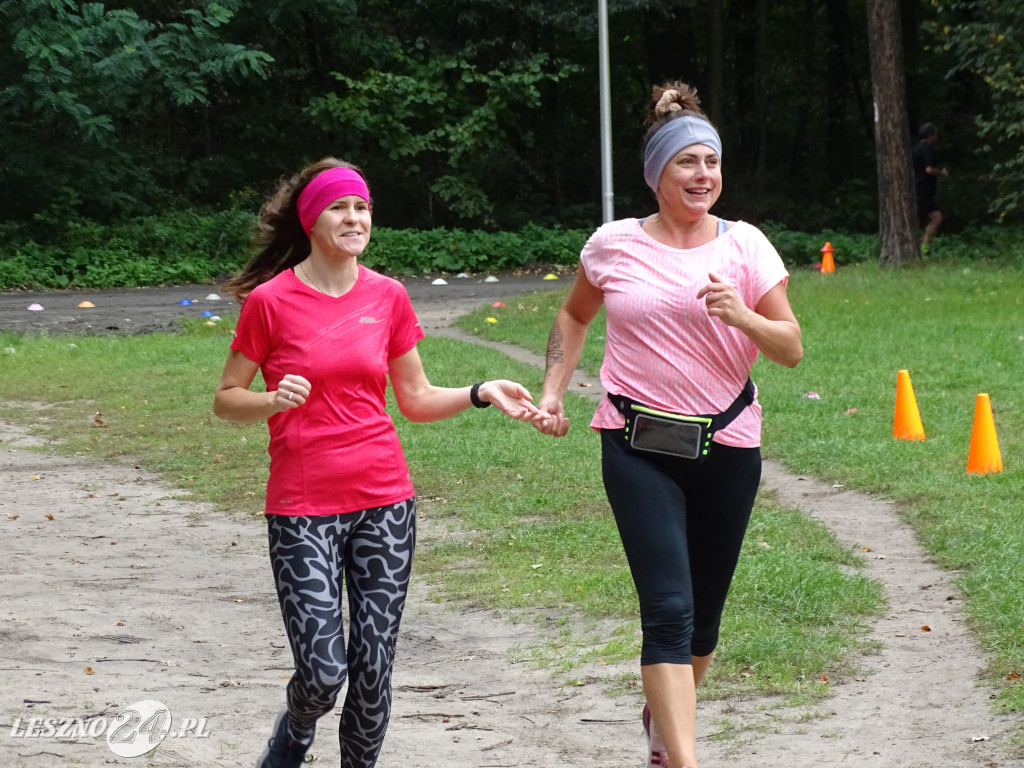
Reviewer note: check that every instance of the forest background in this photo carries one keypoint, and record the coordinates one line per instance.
(162, 125)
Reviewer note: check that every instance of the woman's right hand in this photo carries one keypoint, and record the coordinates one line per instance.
(556, 424)
(292, 391)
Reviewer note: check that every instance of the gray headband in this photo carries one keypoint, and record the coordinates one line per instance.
(673, 136)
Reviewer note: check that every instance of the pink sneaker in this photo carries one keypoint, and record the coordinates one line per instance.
(657, 757)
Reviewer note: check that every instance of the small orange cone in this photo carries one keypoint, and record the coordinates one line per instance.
(984, 456)
(827, 264)
(907, 423)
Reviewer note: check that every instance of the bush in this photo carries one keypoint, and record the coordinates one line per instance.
(187, 246)
(801, 249)
(190, 246)
(414, 252)
(174, 248)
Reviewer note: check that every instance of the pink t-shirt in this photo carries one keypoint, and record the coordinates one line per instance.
(661, 346)
(339, 451)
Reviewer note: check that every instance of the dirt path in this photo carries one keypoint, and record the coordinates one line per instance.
(113, 592)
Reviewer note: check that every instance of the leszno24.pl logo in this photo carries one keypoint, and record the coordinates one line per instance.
(136, 731)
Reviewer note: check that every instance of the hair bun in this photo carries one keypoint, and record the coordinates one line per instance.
(667, 103)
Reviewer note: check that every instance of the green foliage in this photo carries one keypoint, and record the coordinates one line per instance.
(177, 247)
(91, 93)
(447, 120)
(800, 249)
(412, 252)
(987, 39)
(187, 246)
(484, 115)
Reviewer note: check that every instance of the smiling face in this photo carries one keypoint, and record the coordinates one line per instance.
(691, 182)
(343, 227)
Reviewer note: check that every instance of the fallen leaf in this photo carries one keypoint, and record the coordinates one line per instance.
(1013, 676)
(49, 517)
(979, 738)
(824, 678)
(97, 420)
(88, 671)
(926, 628)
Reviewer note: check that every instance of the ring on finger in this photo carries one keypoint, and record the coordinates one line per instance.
(291, 395)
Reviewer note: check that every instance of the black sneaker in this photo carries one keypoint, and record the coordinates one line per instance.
(282, 750)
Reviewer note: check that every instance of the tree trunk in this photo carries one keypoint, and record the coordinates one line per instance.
(897, 231)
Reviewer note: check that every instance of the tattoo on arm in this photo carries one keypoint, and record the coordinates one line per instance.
(555, 355)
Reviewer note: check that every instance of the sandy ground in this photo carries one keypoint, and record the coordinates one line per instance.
(117, 590)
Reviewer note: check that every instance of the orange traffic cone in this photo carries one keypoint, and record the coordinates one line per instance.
(907, 424)
(827, 264)
(984, 455)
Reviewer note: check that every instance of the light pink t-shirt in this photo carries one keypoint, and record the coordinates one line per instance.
(338, 452)
(661, 346)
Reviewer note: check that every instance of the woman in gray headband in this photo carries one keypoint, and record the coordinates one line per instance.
(691, 300)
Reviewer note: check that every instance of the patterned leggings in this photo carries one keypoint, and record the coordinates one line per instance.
(370, 552)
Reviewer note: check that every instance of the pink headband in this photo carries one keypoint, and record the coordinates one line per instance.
(324, 189)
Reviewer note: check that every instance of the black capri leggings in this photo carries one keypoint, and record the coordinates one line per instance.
(682, 526)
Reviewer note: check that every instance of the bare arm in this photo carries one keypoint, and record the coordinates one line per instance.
(771, 325)
(234, 401)
(419, 400)
(565, 345)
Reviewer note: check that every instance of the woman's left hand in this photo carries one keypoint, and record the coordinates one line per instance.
(723, 301)
(512, 399)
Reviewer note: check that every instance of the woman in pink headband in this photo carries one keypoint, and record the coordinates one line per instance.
(327, 334)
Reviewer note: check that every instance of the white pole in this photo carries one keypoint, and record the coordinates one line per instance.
(607, 196)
